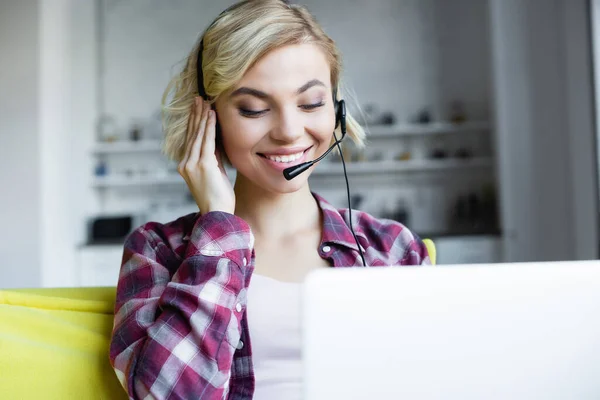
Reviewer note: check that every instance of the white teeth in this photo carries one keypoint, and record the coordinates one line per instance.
(286, 159)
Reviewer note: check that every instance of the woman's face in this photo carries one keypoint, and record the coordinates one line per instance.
(280, 114)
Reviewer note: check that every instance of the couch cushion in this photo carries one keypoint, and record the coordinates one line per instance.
(54, 344)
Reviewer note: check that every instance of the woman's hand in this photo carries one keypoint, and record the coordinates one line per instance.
(202, 166)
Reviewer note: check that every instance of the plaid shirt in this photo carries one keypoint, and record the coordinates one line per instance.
(180, 329)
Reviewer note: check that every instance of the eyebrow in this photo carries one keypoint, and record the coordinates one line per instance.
(263, 95)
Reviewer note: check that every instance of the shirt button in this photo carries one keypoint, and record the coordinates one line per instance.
(245, 261)
(326, 249)
(238, 307)
(240, 345)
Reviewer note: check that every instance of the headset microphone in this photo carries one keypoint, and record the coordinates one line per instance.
(292, 172)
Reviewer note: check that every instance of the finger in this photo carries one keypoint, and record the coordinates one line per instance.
(191, 129)
(219, 155)
(190, 125)
(196, 147)
(188, 134)
(196, 121)
(208, 147)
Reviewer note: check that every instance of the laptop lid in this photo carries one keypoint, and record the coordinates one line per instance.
(500, 331)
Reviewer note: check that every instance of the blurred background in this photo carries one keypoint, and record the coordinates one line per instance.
(480, 117)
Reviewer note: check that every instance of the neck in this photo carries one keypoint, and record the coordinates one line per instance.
(275, 215)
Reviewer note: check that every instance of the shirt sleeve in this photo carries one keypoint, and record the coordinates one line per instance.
(175, 334)
(416, 252)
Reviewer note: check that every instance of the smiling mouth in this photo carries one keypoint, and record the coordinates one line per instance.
(285, 159)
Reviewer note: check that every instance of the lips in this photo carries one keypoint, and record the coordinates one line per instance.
(285, 158)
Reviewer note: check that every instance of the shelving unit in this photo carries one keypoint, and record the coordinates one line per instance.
(327, 167)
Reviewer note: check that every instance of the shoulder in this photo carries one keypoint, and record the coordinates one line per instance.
(384, 241)
(388, 241)
(165, 238)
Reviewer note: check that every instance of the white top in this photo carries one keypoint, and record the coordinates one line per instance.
(273, 310)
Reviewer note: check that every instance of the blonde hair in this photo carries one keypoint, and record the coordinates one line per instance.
(237, 39)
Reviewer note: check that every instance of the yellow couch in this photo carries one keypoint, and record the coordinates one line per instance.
(54, 343)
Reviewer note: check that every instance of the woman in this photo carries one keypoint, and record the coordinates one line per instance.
(193, 292)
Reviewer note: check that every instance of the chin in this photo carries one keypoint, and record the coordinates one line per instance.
(274, 183)
(282, 185)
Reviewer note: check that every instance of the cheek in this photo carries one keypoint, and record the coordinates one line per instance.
(240, 134)
(322, 125)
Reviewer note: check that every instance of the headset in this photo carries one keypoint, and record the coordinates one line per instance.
(291, 172)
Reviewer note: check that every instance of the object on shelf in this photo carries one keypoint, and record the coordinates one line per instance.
(401, 213)
(396, 212)
(489, 206)
(375, 156)
(404, 156)
(356, 201)
(360, 155)
(135, 133)
(458, 114)
(423, 117)
(107, 129)
(387, 118)
(474, 212)
(369, 114)
(112, 228)
(101, 168)
(153, 127)
(463, 153)
(439, 154)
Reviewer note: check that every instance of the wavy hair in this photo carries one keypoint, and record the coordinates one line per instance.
(236, 40)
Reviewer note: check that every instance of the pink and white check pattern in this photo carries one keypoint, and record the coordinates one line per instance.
(180, 329)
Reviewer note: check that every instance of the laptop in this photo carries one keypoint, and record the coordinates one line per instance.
(497, 331)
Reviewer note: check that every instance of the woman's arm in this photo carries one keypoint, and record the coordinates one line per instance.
(174, 337)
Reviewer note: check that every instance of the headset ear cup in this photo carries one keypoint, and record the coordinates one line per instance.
(337, 114)
(341, 116)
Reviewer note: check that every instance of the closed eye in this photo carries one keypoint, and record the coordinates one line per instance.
(312, 106)
(251, 113)
(256, 113)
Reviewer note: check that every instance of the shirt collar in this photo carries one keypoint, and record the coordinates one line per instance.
(336, 228)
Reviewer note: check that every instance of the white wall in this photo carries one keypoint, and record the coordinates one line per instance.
(20, 202)
(56, 168)
(544, 129)
(41, 147)
(582, 127)
(400, 55)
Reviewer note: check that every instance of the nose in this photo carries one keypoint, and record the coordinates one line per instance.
(289, 126)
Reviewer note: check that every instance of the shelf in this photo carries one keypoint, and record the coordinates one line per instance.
(433, 128)
(122, 181)
(361, 168)
(375, 131)
(327, 168)
(143, 146)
